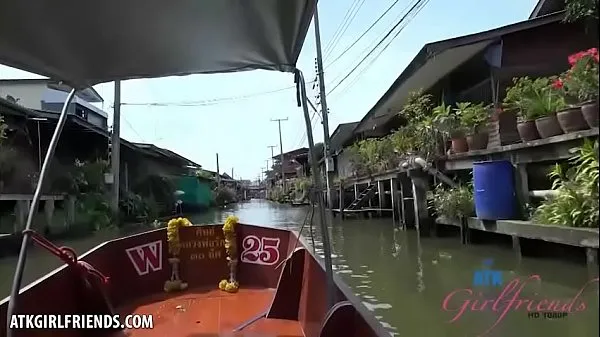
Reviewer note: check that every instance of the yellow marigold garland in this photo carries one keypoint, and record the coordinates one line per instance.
(231, 285)
(173, 226)
(173, 234)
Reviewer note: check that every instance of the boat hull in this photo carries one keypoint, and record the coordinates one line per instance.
(282, 288)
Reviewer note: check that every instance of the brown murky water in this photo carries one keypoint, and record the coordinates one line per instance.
(404, 280)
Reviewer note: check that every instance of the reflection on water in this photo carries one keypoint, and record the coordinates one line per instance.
(403, 279)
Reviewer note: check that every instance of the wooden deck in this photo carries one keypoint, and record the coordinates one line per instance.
(209, 313)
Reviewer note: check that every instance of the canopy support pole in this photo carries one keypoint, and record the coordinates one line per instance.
(318, 189)
(16, 287)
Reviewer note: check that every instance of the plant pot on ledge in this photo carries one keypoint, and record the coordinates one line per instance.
(589, 111)
(571, 120)
(477, 141)
(528, 131)
(459, 144)
(548, 126)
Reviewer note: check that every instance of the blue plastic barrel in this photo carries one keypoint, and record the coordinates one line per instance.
(494, 190)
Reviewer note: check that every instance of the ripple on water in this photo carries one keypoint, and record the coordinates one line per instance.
(388, 325)
(365, 281)
(358, 276)
(344, 271)
(363, 286)
(370, 272)
(376, 306)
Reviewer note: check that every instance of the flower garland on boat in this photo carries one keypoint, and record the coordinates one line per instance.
(175, 283)
(231, 285)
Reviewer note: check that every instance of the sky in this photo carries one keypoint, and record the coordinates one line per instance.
(239, 127)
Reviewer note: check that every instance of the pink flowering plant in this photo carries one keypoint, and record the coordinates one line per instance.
(580, 83)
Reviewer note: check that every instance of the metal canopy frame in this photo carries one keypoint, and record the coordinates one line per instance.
(251, 34)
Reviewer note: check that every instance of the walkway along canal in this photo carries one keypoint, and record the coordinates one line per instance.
(404, 279)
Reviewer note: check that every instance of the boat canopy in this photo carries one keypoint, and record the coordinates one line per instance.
(84, 43)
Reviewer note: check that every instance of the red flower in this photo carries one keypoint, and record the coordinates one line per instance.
(558, 84)
(576, 57)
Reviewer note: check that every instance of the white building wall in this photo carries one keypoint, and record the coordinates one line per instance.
(344, 165)
(28, 95)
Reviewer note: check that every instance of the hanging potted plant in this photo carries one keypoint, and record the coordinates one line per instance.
(515, 101)
(447, 122)
(579, 85)
(473, 117)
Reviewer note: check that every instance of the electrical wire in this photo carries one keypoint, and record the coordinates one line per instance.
(339, 27)
(417, 3)
(213, 101)
(350, 20)
(362, 35)
(133, 129)
(372, 61)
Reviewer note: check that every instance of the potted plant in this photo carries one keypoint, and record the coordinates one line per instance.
(514, 102)
(447, 122)
(542, 102)
(472, 118)
(579, 84)
(417, 107)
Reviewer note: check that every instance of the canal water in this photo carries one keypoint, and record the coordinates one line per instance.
(418, 286)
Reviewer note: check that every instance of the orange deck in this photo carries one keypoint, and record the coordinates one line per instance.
(209, 313)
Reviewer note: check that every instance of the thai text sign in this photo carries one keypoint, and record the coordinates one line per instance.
(199, 243)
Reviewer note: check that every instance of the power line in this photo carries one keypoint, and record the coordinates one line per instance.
(212, 101)
(344, 29)
(339, 27)
(132, 128)
(362, 35)
(417, 3)
(381, 51)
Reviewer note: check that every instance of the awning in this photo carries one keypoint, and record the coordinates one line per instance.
(424, 78)
(89, 42)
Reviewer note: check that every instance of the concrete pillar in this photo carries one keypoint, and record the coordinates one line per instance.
(395, 196)
(592, 256)
(49, 212)
(341, 201)
(516, 244)
(21, 212)
(69, 210)
(381, 196)
(406, 202)
(522, 185)
(420, 186)
(465, 232)
(356, 193)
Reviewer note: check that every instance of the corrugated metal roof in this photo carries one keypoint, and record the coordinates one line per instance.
(424, 76)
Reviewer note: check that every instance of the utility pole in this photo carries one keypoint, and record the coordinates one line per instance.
(324, 110)
(272, 147)
(281, 149)
(115, 150)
